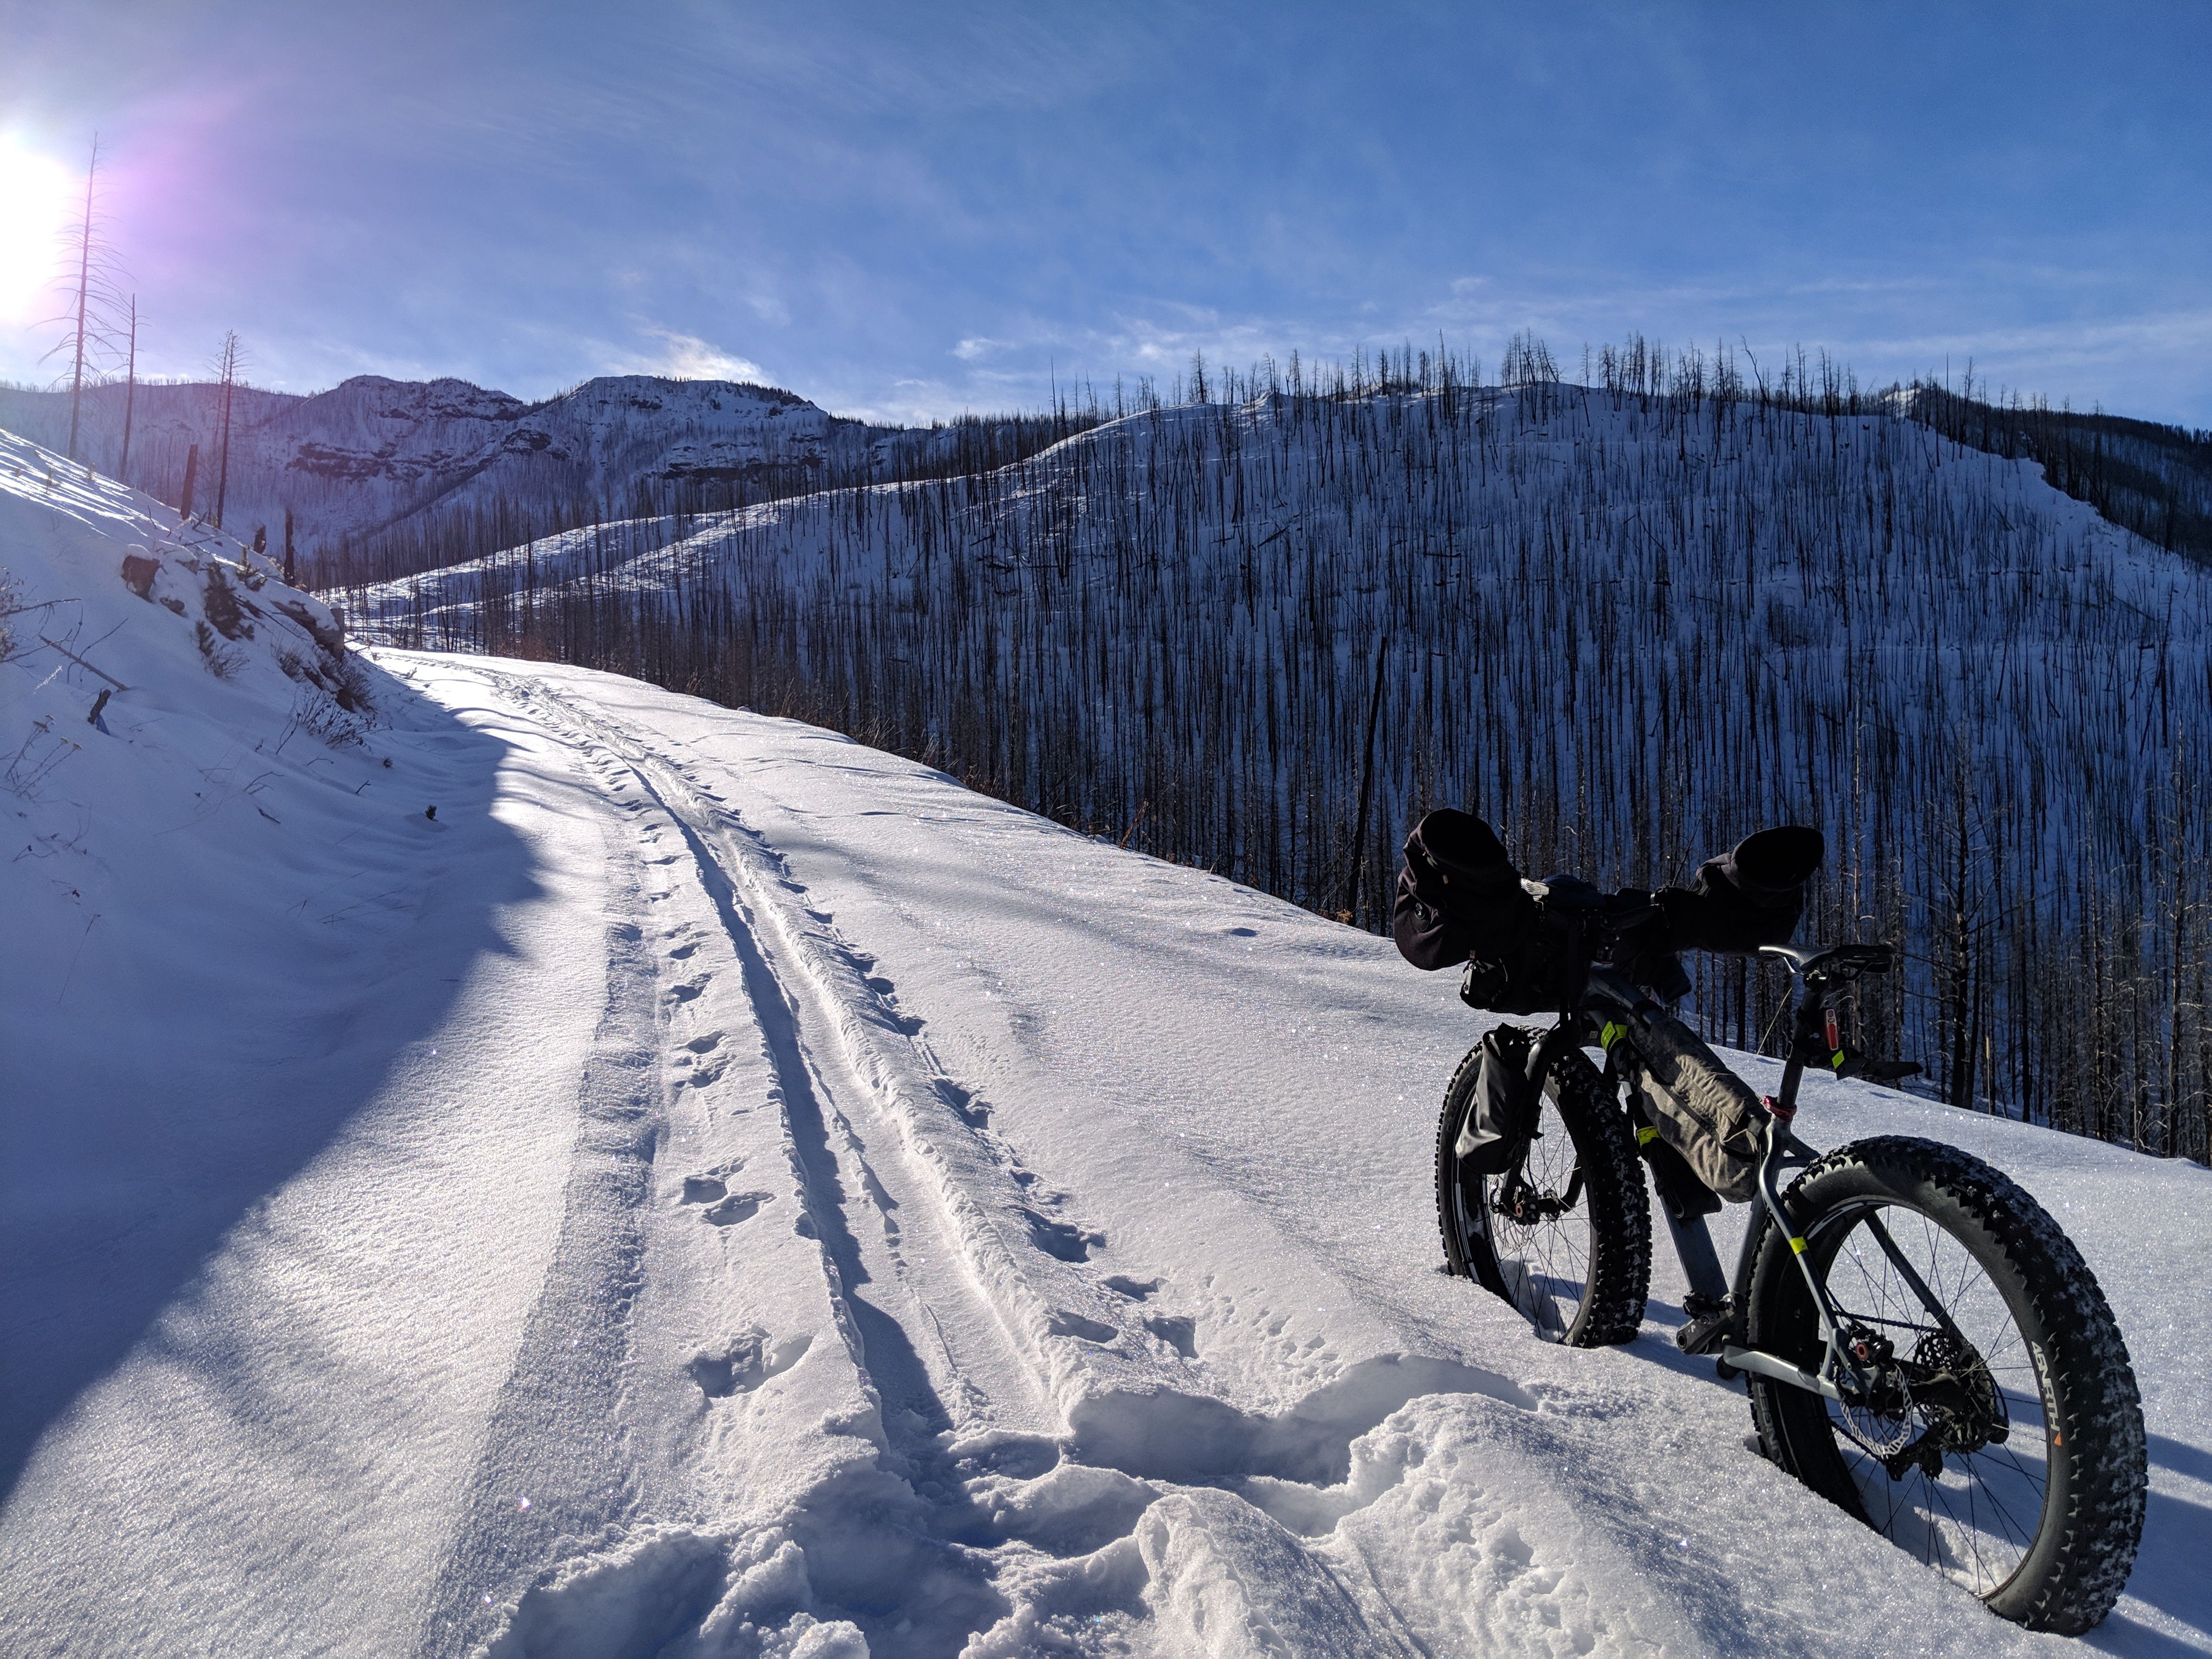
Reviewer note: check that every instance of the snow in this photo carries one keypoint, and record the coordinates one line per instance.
(715, 1189)
(372, 452)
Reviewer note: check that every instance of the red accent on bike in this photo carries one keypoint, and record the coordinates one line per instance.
(1774, 1106)
(1835, 1041)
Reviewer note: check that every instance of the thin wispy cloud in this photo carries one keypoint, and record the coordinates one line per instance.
(900, 207)
(687, 357)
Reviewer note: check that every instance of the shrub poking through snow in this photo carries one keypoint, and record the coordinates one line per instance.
(319, 713)
(221, 607)
(138, 573)
(220, 662)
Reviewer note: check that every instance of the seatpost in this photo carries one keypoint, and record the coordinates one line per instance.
(1807, 1025)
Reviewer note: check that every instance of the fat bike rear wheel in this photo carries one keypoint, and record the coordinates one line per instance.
(1564, 1234)
(2001, 1441)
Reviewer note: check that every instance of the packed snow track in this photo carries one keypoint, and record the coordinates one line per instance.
(748, 1196)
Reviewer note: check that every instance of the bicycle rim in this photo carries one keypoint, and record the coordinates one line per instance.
(1542, 1259)
(1977, 1518)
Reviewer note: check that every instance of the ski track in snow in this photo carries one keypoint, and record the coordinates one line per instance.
(719, 1190)
(971, 1305)
(1043, 1453)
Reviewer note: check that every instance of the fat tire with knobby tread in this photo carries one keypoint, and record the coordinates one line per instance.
(2078, 1562)
(1574, 1096)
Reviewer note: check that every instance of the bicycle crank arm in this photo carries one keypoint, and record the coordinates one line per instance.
(1766, 1364)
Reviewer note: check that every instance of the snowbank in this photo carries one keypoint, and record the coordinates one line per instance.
(714, 1189)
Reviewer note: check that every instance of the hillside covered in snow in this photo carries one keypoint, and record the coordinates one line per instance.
(501, 1158)
(1627, 625)
(386, 475)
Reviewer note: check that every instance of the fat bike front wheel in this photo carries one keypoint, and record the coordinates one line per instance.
(1564, 1234)
(2002, 1438)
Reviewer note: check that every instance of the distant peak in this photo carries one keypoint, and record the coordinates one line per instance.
(666, 387)
(446, 386)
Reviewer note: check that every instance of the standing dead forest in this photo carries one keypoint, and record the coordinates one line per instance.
(1628, 621)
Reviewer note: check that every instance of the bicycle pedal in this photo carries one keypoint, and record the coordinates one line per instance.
(1711, 1324)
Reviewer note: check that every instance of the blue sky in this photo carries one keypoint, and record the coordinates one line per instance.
(906, 211)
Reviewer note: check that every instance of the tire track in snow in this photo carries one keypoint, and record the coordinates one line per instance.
(946, 1582)
(555, 1463)
(998, 1523)
(949, 1363)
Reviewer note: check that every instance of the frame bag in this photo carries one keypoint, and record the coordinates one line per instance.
(1701, 1109)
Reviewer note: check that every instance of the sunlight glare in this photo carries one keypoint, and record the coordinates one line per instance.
(38, 199)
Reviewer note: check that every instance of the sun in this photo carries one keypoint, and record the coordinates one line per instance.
(38, 199)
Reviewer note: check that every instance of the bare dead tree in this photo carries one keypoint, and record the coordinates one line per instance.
(229, 358)
(92, 288)
(130, 395)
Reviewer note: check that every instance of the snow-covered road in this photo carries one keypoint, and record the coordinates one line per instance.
(825, 1205)
(717, 1190)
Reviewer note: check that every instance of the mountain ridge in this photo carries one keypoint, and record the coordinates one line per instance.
(1627, 629)
(373, 452)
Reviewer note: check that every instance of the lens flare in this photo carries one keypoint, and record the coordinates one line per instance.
(39, 198)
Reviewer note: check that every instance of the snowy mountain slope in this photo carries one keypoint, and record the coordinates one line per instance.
(1621, 628)
(1817, 543)
(372, 451)
(716, 1188)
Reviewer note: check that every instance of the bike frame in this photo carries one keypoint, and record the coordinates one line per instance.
(1812, 1031)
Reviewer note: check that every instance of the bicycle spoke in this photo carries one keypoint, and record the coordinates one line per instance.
(1546, 1264)
(1970, 1514)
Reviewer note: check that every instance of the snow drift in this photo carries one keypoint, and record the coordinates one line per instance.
(714, 1189)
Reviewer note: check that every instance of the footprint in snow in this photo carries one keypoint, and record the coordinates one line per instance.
(690, 989)
(887, 1008)
(1063, 1323)
(710, 1184)
(968, 1110)
(738, 1206)
(745, 1362)
(1058, 1238)
(1006, 1452)
(1135, 1289)
(706, 1044)
(1178, 1331)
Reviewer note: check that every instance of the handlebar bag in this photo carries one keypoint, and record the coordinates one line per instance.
(1546, 967)
(1750, 896)
(1459, 895)
(1700, 1108)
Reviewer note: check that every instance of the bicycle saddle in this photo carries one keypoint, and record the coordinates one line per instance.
(1833, 961)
